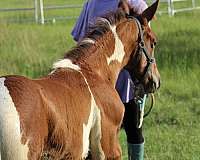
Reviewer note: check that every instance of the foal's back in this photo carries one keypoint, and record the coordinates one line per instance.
(45, 117)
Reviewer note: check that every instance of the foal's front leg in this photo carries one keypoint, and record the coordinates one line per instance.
(104, 142)
(95, 140)
(110, 143)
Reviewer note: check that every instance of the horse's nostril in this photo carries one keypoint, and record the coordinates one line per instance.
(154, 85)
(159, 83)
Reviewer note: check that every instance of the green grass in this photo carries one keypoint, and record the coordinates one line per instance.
(172, 129)
(28, 16)
(31, 49)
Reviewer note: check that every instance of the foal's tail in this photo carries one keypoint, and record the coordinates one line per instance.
(10, 138)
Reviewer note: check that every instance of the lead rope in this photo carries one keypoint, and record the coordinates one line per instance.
(151, 106)
(140, 101)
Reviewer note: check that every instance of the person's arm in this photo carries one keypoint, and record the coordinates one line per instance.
(81, 25)
(138, 5)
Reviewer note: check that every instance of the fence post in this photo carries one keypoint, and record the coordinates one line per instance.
(36, 11)
(170, 7)
(193, 4)
(42, 11)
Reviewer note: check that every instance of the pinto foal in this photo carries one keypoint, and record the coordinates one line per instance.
(75, 108)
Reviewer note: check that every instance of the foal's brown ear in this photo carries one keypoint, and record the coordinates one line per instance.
(150, 11)
(123, 4)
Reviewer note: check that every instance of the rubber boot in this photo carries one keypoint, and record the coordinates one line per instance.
(135, 151)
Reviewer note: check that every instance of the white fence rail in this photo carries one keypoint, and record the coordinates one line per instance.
(39, 8)
(172, 9)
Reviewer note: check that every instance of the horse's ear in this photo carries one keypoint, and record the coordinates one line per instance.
(150, 11)
(123, 4)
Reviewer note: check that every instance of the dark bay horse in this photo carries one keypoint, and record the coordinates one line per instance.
(76, 108)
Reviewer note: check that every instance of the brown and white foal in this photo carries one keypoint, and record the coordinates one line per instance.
(75, 108)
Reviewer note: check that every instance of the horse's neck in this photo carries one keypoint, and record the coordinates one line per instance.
(109, 55)
(105, 58)
(98, 62)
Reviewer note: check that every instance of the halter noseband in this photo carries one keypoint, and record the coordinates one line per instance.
(142, 48)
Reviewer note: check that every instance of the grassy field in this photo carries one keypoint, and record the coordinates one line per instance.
(28, 16)
(172, 129)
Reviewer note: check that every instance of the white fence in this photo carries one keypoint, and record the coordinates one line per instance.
(39, 9)
(42, 9)
(173, 6)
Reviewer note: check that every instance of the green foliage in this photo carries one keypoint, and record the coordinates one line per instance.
(172, 129)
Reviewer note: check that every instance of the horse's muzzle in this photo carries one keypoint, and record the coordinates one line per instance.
(153, 85)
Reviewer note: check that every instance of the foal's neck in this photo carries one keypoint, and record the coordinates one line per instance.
(109, 54)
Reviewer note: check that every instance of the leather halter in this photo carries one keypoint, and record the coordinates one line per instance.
(142, 48)
(150, 60)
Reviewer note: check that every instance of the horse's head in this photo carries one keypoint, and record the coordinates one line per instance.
(142, 64)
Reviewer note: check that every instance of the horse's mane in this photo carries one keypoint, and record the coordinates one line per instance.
(95, 32)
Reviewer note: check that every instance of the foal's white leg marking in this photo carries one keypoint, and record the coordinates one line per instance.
(94, 123)
(119, 52)
(10, 137)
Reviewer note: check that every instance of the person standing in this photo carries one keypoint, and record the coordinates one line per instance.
(124, 86)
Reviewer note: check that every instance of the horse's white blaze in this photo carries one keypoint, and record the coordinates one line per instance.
(10, 136)
(65, 63)
(119, 52)
(94, 124)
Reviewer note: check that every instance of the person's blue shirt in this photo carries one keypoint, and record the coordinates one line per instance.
(91, 10)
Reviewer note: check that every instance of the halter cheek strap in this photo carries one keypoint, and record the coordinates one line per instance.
(142, 49)
(150, 60)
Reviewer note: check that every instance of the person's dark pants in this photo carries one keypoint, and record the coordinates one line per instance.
(134, 135)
